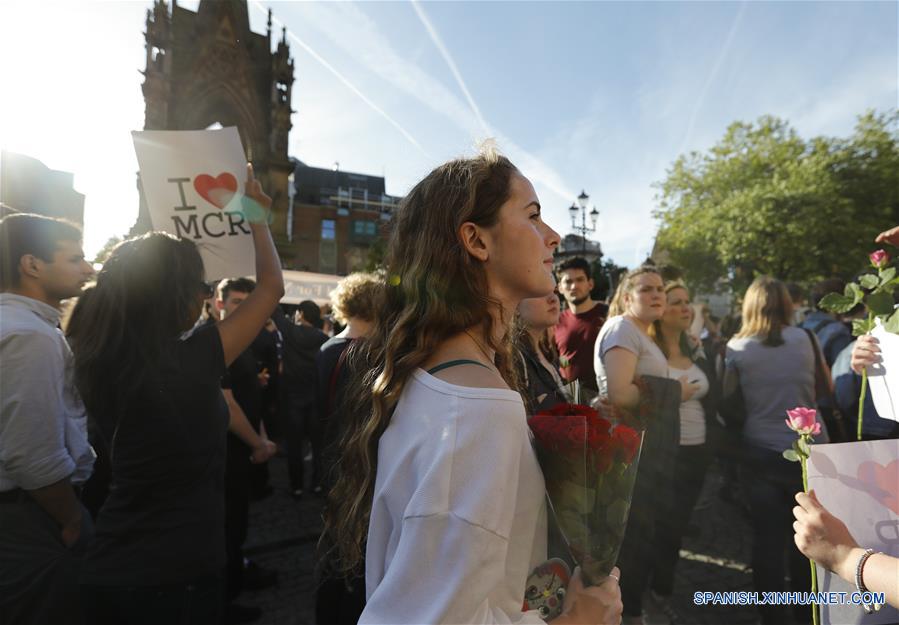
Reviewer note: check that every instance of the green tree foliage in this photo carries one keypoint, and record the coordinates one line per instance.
(107, 248)
(376, 255)
(765, 201)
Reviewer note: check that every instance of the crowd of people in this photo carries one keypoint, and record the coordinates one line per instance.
(135, 432)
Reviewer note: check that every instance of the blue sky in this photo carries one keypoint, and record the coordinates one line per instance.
(595, 95)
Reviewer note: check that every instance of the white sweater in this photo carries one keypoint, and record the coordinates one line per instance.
(458, 519)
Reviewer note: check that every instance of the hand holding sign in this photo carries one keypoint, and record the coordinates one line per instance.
(191, 182)
(256, 203)
(821, 536)
(856, 502)
(883, 375)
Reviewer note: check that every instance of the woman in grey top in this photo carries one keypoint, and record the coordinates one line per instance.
(773, 364)
(623, 352)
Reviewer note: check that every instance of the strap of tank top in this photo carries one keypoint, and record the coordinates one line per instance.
(453, 363)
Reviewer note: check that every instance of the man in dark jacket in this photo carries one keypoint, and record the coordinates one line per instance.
(299, 380)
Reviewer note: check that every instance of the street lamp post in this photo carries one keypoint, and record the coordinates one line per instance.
(581, 207)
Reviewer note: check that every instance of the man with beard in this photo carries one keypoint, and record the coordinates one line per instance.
(242, 387)
(579, 324)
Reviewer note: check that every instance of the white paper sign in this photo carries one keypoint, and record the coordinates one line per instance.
(884, 376)
(858, 483)
(192, 181)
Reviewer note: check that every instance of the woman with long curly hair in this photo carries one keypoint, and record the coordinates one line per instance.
(437, 480)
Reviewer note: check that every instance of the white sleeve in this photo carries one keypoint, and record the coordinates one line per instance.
(442, 572)
(456, 537)
(621, 334)
(614, 333)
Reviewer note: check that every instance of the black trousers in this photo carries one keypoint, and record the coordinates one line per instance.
(690, 466)
(198, 602)
(237, 512)
(38, 574)
(339, 601)
(653, 498)
(302, 425)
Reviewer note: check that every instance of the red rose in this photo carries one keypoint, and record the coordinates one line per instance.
(564, 410)
(598, 434)
(577, 436)
(546, 430)
(626, 443)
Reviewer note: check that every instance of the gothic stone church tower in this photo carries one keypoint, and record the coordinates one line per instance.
(209, 67)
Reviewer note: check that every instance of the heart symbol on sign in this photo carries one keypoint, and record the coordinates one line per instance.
(217, 191)
(885, 479)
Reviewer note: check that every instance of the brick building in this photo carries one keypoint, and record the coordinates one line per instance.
(334, 218)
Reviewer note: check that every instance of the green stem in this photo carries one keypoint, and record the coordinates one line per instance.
(811, 562)
(861, 402)
(861, 399)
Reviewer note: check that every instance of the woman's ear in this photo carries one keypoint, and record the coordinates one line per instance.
(474, 241)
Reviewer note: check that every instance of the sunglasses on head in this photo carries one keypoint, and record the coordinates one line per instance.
(206, 290)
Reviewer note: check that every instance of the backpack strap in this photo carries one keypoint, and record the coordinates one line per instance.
(454, 363)
(821, 324)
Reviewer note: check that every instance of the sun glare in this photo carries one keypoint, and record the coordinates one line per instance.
(66, 103)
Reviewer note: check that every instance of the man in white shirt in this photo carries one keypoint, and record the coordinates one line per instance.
(44, 453)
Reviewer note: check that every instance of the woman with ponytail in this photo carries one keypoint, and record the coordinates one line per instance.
(437, 482)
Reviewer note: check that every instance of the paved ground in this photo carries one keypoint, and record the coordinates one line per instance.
(283, 533)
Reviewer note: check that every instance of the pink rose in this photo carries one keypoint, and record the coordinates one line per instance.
(879, 259)
(803, 421)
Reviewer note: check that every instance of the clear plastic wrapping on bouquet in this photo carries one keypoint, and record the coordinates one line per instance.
(589, 462)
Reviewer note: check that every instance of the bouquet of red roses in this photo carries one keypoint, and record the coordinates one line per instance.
(589, 463)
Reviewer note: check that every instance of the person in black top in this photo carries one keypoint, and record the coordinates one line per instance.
(156, 399)
(340, 600)
(242, 388)
(298, 381)
(267, 351)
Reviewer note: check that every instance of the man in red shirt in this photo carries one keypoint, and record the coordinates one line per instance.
(579, 324)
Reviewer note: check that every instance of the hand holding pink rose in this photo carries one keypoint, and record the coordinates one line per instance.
(889, 236)
(804, 421)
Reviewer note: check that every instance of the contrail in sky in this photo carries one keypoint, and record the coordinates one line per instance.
(345, 81)
(535, 166)
(438, 42)
(725, 48)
